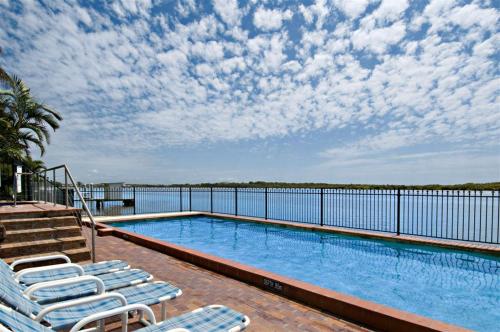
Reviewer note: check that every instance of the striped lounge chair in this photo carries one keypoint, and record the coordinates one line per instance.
(66, 270)
(65, 314)
(213, 318)
(121, 281)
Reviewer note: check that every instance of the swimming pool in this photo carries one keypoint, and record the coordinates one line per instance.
(456, 287)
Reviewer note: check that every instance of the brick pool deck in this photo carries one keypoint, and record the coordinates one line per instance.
(267, 311)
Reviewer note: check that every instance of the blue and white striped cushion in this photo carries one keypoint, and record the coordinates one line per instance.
(64, 293)
(111, 281)
(124, 278)
(5, 268)
(43, 276)
(16, 322)
(70, 272)
(11, 294)
(66, 318)
(205, 320)
(105, 267)
(150, 293)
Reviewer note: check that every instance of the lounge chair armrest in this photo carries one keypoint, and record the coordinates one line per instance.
(237, 329)
(78, 269)
(84, 300)
(4, 329)
(64, 282)
(114, 312)
(39, 259)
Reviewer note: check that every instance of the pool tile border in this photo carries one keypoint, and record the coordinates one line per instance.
(351, 308)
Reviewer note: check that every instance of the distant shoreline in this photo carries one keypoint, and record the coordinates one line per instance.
(262, 184)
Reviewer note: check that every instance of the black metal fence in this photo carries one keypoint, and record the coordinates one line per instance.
(457, 215)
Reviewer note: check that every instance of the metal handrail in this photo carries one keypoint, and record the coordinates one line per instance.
(67, 174)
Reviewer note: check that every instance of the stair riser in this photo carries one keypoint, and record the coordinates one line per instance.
(44, 214)
(31, 249)
(75, 258)
(37, 236)
(80, 257)
(34, 224)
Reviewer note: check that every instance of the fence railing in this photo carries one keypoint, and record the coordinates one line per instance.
(45, 186)
(447, 214)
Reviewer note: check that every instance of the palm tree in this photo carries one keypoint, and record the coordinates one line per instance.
(24, 122)
(29, 120)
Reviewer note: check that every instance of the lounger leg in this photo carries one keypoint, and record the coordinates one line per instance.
(100, 325)
(143, 321)
(125, 322)
(164, 310)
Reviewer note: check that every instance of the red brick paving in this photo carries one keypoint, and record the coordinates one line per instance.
(267, 311)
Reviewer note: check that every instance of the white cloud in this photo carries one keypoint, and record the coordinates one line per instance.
(270, 19)
(377, 40)
(228, 10)
(232, 64)
(319, 10)
(172, 58)
(144, 80)
(472, 14)
(186, 7)
(209, 51)
(389, 11)
(132, 7)
(352, 8)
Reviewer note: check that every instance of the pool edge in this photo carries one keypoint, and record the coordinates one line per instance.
(351, 308)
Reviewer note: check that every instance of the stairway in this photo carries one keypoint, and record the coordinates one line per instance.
(40, 232)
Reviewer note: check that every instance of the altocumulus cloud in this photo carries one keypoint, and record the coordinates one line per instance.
(149, 74)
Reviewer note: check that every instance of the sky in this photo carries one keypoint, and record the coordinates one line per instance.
(339, 91)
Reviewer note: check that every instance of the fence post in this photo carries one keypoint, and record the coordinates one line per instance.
(66, 196)
(236, 201)
(54, 186)
(45, 186)
(265, 203)
(190, 200)
(14, 186)
(321, 207)
(398, 218)
(180, 199)
(211, 200)
(134, 198)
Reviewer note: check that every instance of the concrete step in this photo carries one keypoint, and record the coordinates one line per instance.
(25, 235)
(37, 223)
(38, 214)
(42, 246)
(76, 255)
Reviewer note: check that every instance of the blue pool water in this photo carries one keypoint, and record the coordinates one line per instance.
(453, 286)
